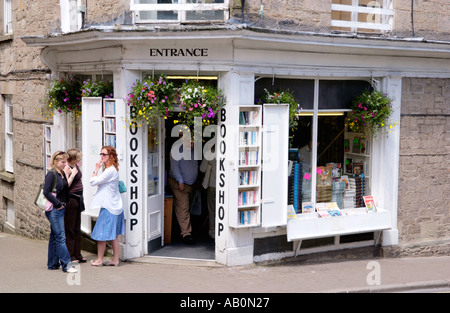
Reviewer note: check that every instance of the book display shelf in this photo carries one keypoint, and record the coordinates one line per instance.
(357, 149)
(109, 123)
(249, 167)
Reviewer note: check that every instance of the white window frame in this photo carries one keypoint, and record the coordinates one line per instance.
(7, 17)
(380, 10)
(181, 7)
(70, 18)
(9, 136)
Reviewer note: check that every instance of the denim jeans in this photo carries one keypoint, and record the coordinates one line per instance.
(57, 249)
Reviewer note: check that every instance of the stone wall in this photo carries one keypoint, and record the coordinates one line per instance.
(424, 166)
(25, 78)
(430, 17)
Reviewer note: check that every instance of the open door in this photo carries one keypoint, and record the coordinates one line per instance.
(275, 164)
(155, 185)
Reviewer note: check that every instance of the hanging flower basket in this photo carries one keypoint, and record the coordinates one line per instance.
(370, 114)
(283, 97)
(91, 88)
(151, 99)
(63, 96)
(199, 100)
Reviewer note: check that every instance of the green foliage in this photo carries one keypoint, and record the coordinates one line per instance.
(151, 98)
(285, 97)
(370, 113)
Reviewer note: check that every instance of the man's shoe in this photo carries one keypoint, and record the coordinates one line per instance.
(188, 240)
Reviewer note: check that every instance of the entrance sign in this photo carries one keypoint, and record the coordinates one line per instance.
(172, 52)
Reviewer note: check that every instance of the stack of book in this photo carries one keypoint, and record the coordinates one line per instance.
(357, 184)
(337, 193)
(295, 186)
(324, 193)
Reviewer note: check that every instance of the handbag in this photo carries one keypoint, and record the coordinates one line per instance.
(41, 201)
(122, 187)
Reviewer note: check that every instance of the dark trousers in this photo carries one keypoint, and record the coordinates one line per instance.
(72, 223)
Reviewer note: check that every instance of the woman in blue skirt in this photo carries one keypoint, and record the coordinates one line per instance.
(110, 222)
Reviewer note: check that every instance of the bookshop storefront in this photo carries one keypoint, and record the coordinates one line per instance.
(262, 184)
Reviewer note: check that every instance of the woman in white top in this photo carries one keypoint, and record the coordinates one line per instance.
(110, 222)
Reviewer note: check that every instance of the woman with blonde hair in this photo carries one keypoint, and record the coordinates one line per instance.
(110, 222)
(57, 192)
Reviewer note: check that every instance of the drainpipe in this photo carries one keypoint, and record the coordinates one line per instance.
(412, 17)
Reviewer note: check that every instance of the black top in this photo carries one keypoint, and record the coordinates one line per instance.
(77, 186)
(62, 188)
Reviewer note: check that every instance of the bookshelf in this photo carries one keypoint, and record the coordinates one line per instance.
(249, 167)
(357, 148)
(357, 161)
(109, 123)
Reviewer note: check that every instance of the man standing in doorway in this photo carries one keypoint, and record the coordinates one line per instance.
(182, 177)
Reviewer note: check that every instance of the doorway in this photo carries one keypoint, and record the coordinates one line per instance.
(170, 243)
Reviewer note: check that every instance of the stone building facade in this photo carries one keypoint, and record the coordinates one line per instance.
(424, 169)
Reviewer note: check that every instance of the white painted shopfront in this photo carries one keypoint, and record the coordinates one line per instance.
(239, 58)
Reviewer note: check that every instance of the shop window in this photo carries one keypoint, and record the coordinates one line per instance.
(8, 134)
(317, 147)
(180, 11)
(370, 16)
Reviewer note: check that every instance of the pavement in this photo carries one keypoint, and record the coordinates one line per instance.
(23, 270)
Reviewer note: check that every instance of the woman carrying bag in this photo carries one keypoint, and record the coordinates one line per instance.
(110, 222)
(55, 180)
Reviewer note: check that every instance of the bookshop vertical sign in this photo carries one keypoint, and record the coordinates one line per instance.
(134, 206)
(222, 189)
(222, 179)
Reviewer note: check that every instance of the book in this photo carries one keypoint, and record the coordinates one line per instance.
(335, 212)
(370, 204)
(356, 145)
(346, 145)
(321, 206)
(308, 207)
(323, 214)
(358, 168)
(363, 147)
(291, 212)
(348, 165)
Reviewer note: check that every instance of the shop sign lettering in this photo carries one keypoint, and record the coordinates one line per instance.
(183, 52)
(133, 169)
(221, 171)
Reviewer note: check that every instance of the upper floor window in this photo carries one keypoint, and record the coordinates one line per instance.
(7, 17)
(180, 11)
(370, 16)
(70, 16)
(9, 138)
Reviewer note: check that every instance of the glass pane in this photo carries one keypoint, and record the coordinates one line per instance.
(330, 154)
(153, 165)
(9, 116)
(300, 156)
(200, 15)
(158, 15)
(302, 89)
(339, 94)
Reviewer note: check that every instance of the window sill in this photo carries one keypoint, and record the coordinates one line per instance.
(6, 37)
(8, 177)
